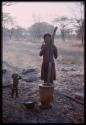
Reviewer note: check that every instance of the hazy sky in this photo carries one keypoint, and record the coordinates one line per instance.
(27, 13)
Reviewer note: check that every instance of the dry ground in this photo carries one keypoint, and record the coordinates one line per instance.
(70, 79)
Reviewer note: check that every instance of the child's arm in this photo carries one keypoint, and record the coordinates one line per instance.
(53, 35)
(19, 77)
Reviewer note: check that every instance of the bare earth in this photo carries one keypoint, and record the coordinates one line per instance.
(19, 55)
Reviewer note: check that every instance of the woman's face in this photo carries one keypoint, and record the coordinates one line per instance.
(47, 39)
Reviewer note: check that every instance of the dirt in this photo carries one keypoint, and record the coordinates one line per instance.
(70, 79)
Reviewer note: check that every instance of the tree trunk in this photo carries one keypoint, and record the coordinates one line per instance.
(82, 37)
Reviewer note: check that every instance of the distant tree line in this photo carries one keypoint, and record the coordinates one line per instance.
(38, 30)
(66, 25)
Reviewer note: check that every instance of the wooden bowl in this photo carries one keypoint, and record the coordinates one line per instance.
(29, 104)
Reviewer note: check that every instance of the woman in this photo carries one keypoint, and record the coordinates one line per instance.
(48, 51)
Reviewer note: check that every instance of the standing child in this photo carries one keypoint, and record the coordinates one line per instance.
(16, 79)
(48, 51)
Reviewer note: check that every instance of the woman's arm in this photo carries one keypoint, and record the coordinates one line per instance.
(42, 50)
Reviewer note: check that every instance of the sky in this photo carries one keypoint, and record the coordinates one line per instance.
(27, 13)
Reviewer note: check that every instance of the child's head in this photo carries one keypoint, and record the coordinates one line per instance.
(15, 76)
(47, 38)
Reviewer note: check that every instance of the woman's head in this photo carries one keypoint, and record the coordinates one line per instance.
(47, 38)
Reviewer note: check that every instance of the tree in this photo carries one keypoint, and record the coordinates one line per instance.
(63, 32)
(7, 19)
(37, 30)
(18, 32)
(79, 21)
(63, 23)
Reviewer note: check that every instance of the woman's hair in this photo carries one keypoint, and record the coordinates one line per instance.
(47, 34)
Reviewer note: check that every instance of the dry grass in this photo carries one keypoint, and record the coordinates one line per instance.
(72, 45)
(67, 60)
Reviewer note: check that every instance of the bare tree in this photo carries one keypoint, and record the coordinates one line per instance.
(63, 22)
(79, 21)
(7, 19)
(63, 32)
